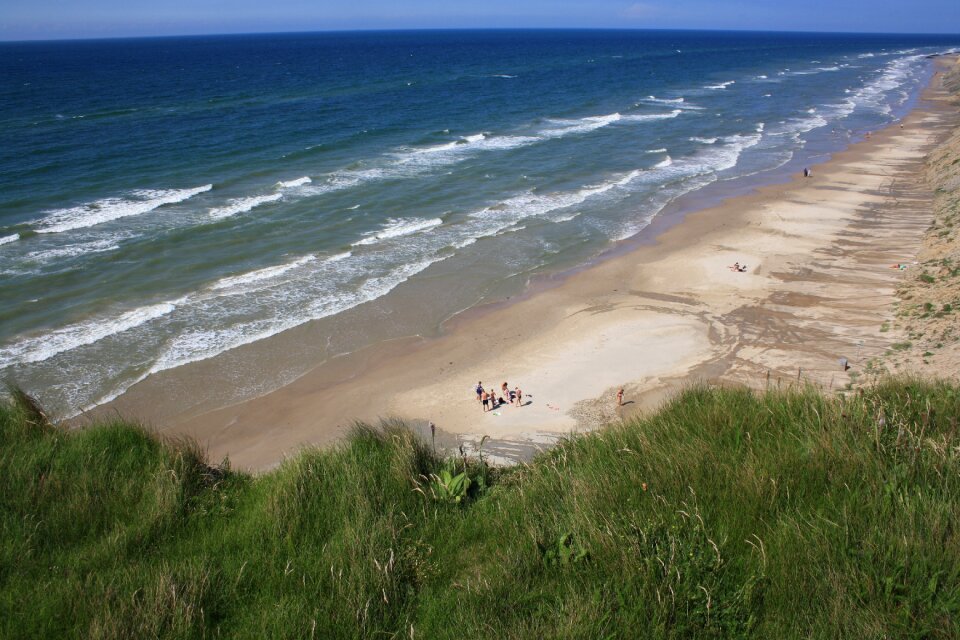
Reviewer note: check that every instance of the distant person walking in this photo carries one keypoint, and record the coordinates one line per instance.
(806, 172)
(620, 397)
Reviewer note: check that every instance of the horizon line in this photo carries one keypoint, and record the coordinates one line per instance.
(469, 29)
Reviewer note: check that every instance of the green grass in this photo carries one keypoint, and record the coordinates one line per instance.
(726, 514)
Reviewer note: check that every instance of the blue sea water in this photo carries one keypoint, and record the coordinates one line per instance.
(165, 201)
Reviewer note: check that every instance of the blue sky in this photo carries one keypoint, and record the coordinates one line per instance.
(45, 19)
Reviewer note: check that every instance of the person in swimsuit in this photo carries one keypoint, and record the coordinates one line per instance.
(620, 397)
(519, 396)
(505, 391)
(485, 399)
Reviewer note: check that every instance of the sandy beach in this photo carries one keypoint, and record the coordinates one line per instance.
(817, 288)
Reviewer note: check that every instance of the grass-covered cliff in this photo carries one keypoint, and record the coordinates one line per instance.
(726, 514)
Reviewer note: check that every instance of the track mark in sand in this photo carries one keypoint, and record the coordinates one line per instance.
(665, 297)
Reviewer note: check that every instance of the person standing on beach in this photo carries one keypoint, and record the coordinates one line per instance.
(479, 390)
(485, 399)
(620, 397)
(519, 396)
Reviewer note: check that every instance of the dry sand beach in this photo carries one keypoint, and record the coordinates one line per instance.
(818, 288)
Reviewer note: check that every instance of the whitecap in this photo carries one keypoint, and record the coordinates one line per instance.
(6, 239)
(242, 205)
(299, 182)
(108, 209)
(651, 116)
(201, 344)
(74, 250)
(676, 103)
(583, 125)
(45, 346)
(266, 273)
(396, 228)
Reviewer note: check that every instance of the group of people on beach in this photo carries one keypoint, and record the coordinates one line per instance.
(490, 400)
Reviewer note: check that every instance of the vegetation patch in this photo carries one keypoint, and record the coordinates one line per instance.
(726, 514)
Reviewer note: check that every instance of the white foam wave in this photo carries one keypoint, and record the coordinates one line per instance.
(677, 103)
(43, 347)
(73, 250)
(197, 345)
(721, 85)
(6, 239)
(583, 125)
(651, 116)
(242, 205)
(108, 209)
(567, 217)
(497, 217)
(473, 142)
(796, 126)
(875, 94)
(267, 273)
(811, 72)
(664, 163)
(396, 228)
(656, 150)
(503, 75)
(412, 162)
(704, 140)
(299, 182)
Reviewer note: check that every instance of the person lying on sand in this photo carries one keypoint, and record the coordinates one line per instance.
(736, 266)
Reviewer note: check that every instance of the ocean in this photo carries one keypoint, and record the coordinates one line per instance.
(169, 201)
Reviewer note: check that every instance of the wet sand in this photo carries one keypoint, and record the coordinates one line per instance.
(817, 289)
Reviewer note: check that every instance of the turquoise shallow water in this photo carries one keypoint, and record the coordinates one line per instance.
(166, 201)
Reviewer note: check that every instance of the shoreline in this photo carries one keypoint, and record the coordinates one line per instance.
(650, 317)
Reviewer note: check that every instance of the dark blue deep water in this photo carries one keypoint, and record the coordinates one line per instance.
(163, 201)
